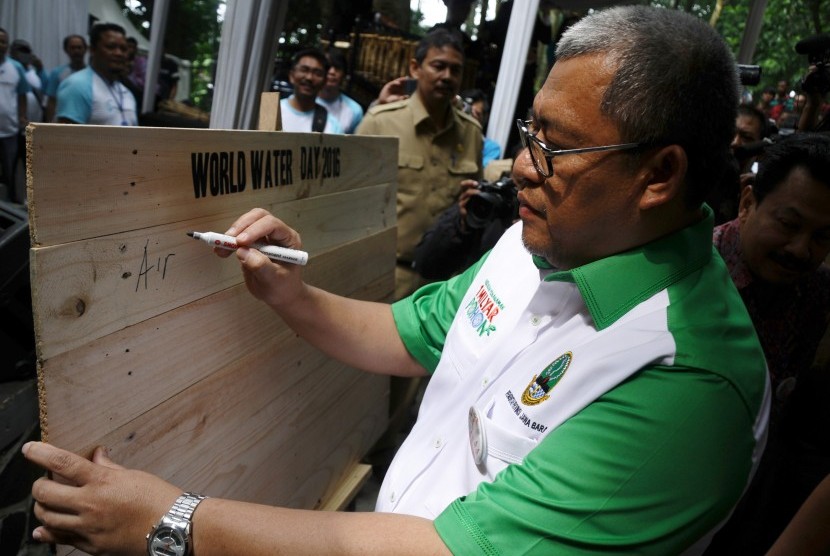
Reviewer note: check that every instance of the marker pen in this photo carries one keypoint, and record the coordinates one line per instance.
(273, 252)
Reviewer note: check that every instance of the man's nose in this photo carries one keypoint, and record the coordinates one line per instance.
(799, 246)
(524, 172)
(446, 74)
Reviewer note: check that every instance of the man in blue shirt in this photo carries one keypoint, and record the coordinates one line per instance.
(13, 90)
(95, 95)
(75, 48)
(343, 108)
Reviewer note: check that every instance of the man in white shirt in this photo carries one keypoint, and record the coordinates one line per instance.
(300, 111)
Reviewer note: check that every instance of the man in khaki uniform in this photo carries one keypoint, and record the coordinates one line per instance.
(439, 145)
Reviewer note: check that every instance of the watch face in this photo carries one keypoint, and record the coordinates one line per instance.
(166, 541)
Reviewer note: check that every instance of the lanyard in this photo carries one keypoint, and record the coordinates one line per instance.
(119, 101)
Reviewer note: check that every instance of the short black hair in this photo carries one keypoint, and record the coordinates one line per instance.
(438, 38)
(20, 45)
(100, 28)
(315, 53)
(749, 110)
(132, 40)
(810, 151)
(68, 38)
(337, 60)
(664, 59)
(474, 95)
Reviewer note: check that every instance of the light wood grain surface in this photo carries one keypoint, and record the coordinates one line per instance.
(151, 345)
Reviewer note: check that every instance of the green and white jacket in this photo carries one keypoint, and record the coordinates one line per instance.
(617, 407)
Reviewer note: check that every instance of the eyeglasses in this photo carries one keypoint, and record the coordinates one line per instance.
(305, 70)
(539, 151)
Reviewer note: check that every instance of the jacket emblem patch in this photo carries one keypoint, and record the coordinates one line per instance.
(540, 386)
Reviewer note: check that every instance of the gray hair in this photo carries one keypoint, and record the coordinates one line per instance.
(676, 83)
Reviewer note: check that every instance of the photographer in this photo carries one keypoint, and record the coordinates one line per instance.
(467, 229)
(816, 83)
(751, 129)
(749, 142)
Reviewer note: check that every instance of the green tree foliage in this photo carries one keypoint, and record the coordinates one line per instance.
(785, 23)
(303, 23)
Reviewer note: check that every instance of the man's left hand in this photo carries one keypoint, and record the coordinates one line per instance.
(97, 506)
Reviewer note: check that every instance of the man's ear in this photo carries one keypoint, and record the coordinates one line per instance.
(663, 175)
(414, 68)
(748, 202)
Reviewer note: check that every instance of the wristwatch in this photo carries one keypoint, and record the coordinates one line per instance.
(171, 535)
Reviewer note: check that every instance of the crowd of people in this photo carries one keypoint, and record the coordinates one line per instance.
(101, 84)
(637, 361)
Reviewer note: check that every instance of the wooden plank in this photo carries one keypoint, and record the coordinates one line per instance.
(269, 112)
(149, 344)
(347, 488)
(91, 288)
(252, 431)
(89, 181)
(219, 328)
(256, 444)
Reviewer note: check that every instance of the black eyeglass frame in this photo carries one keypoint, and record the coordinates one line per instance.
(526, 136)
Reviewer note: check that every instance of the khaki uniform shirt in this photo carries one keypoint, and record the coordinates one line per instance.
(431, 165)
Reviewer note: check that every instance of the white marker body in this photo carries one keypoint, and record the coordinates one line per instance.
(273, 252)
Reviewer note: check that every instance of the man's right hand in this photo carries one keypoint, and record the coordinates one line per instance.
(393, 91)
(361, 334)
(277, 284)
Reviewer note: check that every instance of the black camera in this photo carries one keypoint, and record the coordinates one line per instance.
(817, 49)
(749, 75)
(495, 200)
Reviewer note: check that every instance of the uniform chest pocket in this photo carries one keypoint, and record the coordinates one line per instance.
(410, 182)
(410, 161)
(464, 169)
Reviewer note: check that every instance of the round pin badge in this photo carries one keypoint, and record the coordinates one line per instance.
(478, 437)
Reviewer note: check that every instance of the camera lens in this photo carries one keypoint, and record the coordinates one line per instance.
(481, 209)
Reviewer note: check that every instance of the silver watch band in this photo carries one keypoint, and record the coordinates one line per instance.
(171, 535)
(185, 505)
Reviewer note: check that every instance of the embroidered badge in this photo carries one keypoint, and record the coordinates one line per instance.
(540, 386)
(483, 308)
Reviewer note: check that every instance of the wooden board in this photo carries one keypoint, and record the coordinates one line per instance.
(349, 488)
(270, 118)
(151, 345)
